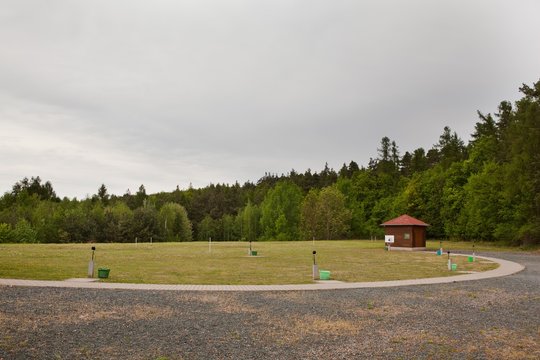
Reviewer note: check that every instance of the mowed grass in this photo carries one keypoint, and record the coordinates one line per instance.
(433, 245)
(228, 263)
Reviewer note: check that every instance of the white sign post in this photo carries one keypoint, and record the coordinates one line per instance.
(388, 239)
(91, 264)
(91, 269)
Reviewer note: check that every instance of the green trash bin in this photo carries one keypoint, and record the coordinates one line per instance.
(253, 253)
(103, 273)
(324, 275)
(454, 267)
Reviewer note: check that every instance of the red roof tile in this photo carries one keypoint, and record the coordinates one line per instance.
(404, 220)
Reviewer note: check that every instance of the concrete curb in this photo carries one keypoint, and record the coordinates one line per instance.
(505, 268)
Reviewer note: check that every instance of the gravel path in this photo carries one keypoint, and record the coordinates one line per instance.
(496, 318)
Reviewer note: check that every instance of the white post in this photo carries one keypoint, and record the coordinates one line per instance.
(91, 264)
(91, 269)
(315, 269)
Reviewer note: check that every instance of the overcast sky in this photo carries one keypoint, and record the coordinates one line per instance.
(167, 93)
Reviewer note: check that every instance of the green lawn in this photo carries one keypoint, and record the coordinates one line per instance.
(191, 263)
(478, 246)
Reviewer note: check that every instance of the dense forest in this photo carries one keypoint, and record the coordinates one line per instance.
(488, 189)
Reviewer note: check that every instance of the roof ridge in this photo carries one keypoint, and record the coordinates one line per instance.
(404, 220)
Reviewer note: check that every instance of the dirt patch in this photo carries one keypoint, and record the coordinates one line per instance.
(504, 344)
(296, 329)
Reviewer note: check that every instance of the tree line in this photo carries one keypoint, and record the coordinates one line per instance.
(488, 189)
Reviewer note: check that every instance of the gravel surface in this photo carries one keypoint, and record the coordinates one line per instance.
(488, 319)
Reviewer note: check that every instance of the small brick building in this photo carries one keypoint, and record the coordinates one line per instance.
(409, 233)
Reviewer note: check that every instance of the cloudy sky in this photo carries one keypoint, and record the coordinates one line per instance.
(167, 93)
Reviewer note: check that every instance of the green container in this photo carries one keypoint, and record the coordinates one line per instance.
(324, 275)
(439, 252)
(103, 273)
(454, 267)
(471, 258)
(253, 253)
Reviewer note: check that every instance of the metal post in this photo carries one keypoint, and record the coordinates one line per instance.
(315, 272)
(449, 262)
(91, 264)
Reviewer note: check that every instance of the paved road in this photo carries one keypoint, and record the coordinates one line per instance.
(495, 318)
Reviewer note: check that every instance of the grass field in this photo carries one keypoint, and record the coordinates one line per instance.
(228, 263)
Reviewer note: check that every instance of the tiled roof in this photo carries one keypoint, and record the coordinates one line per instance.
(404, 220)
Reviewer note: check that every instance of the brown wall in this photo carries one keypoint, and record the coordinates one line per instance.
(417, 235)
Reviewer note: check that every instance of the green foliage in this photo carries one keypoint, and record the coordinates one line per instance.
(453, 198)
(309, 217)
(145, 224)
(102, 194)
(488, 189)
(118, 220)
(228, 226)
(481, 213)
(34, 187)
(250, 219)
(324, 215)
(174, 223)
(24, 233)
(207, 229)
(450, 148)
(280, 212)
(6, 234)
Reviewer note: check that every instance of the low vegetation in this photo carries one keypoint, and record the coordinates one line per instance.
(228, 262)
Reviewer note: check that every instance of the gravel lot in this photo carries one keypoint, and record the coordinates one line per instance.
(487, 319)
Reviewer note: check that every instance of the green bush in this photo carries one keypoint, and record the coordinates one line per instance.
(24, 233)
(6, 234)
